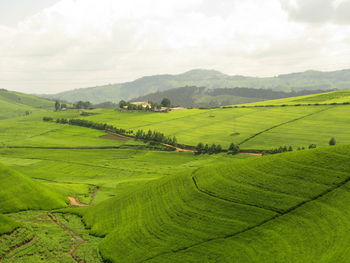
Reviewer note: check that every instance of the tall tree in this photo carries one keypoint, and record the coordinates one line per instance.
(57, 106)
(165, 102)
(332, 141)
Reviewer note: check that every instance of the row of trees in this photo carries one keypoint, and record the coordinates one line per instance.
(151, 107)
(282, 149)
(216, 148)
(79, 105)
(156, 136)
(89, 124)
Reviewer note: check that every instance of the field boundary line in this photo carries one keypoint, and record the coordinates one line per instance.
(281, 124)
(15, 247)
(233, 201)
(286, 212)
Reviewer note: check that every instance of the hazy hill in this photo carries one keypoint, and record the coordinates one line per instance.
(339, 97)
(203, 97)
(309, 80)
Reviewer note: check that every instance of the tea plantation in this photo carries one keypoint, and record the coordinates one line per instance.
(77, 194)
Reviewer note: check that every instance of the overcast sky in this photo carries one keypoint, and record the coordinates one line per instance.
(47, 46)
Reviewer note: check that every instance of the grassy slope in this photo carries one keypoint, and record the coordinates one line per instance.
(7, 225)
(114, 171)
(282, 208)
(296, 126)
(19, 192)
(324, 98)
(13, 104)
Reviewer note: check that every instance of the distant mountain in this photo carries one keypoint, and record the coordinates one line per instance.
(309, 80)
(204, 97)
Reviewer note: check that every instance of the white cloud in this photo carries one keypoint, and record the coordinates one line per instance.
(80, 43)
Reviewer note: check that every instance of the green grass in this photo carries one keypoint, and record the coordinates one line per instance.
(19, 192)
(274, 127)
(278, 208)
(341, 96)
(40, 239)
(13, 104)
(7, 225)
(76, 172)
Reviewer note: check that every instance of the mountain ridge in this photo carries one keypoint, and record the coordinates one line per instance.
(212, 79)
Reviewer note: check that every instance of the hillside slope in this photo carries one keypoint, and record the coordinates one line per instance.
(290, 207)
(342, 96)
(6, 225)
(19, 192)
(309, 80)
(13, 104)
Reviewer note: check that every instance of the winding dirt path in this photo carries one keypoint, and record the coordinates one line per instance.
(252, 154)
(74, 201)
(78, 240)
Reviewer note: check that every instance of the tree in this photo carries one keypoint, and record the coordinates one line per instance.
(206, 148)
(122, 104)
(290, 149)
(200, 148)
(332, 141)
(233, 149)
(57, 106)
(212, 149)
(312, 146)
(165, 102)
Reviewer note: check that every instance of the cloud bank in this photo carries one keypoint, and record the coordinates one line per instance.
(81, 43)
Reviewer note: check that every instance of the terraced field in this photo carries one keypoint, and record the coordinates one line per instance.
(283, 208)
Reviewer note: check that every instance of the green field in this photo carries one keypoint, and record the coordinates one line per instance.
(209, 215)
(275, 126)
(143, 203)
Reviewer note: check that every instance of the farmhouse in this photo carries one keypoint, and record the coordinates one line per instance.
(142, 103)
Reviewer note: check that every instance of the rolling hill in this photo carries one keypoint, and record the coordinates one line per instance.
(13, 104)
(288, 207)
(211, 79)
(339, 97)
(201, 97)
(7, 225)
(19, 192)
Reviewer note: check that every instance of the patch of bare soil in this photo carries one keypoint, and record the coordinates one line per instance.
(253, 154)
(113, 136)
(73, 201)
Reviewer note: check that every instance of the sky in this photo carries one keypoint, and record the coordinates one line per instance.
(49, 46)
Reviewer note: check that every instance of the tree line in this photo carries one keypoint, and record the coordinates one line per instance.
(153, 136)
(282, 149)
(89, 124)
(78, 105)
(151, 107)
(216, 148)
(156, 136)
